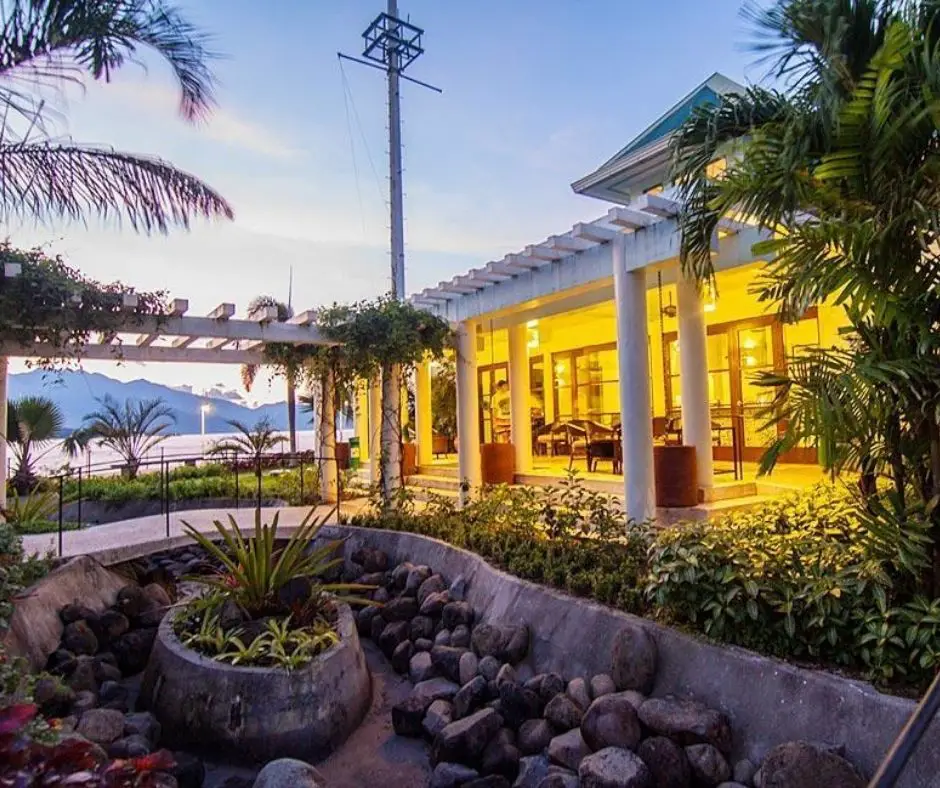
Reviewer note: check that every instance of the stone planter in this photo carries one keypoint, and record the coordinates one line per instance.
(497, 463)
(258, 714)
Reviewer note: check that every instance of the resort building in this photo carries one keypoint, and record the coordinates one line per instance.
(589, 348)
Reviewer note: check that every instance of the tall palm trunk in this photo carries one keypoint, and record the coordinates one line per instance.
(292, 414)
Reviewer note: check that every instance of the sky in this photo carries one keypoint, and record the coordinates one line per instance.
(537, 93)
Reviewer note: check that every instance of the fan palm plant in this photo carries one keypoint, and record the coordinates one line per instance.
(50, 43)
(131, 429)
(32, 424)
(843, 167)
(255, 441)
(250, 371)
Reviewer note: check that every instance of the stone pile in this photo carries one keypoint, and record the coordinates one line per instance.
(491, 722)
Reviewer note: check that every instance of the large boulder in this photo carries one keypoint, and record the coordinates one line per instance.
(602, 684)
(614, 767)
(289, 773)
(568, 749)
(611, 721)
(709, 767)
(687, 721)
(633, 659)
(666, 761)
(806, 765)
(101, 726)
(563, 713)
(463, 741)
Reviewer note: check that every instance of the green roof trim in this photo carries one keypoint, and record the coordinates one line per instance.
(678, 115)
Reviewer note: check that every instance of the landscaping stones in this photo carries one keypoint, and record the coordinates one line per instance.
(709, 767)
(506, 675)
(134, 746)
(422, 627)
(420, 667)
(560, 778)
(611, 721)
(144, 724)
(432, 585)
(613, 767)
(408, 715)
(489, 668)
(450, 775)
(401, 656)
(442, 638)
(439, 715)
(434, 603)
(415, 578)
(568, 749)
(101, 726)
(447, 660)
(505, 643)
(460, 637)
(78, 638)
(500, 757)
(404, 608)
(578, 692)
(130, 600)
(563, 713)
(534, 736)
(456, 613)
(532, 770)
(470, 696)
(633, 659)
(517, 704)
(468, 667)
(189, 771)
(458, 588)
(744, 772)
(82, 676)
(667, 762)
(288, 773)
(687, 721)
(392, 635)
(807, 765)
(371, 559)
(602, 684)
(435, 689)
(463, 741)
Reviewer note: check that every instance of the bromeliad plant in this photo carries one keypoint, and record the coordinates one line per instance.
(269, 604)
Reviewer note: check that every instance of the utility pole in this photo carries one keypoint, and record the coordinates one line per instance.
(391, 45)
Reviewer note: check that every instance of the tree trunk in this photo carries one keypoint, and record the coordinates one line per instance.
(292, 415)
(391, 433)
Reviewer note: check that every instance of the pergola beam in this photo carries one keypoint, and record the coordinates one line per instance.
(134, 353)
(595, 232)
(630, 218)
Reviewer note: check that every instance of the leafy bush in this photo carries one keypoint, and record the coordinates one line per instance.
(17, 570)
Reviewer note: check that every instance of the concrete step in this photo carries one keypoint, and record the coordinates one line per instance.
(725, 490)
(448, 471)
(433, 482)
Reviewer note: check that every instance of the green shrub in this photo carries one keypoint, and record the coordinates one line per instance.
(17, 570)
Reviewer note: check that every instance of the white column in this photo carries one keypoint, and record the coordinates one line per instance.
(362, 419)
(633, 362)
(520, 409)
(424, 429)
(3, 431)
(693, 372)
(468, 409)
(375, 428)
(329, 476)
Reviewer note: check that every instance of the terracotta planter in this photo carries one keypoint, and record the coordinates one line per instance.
(409, 459)
(497, 463)
(676, 477)
(342, 456)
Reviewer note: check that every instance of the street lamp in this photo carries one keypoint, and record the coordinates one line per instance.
(203, 410)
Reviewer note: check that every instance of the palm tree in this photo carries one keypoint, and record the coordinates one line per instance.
(132, 429)
(250, 371)
(254, 441)
(45, 43)
(32, 423)
(842, 166)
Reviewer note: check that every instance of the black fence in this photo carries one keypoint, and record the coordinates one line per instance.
(233, 463)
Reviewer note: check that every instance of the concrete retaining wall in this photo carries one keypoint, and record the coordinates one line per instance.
(102, 512)
(258, 714)
(769, 701)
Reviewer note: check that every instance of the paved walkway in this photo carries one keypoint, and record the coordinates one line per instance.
(144, 530)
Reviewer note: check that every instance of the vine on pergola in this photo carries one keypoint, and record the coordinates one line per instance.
(53, 304)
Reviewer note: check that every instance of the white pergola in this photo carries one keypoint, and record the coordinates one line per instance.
(177, 337)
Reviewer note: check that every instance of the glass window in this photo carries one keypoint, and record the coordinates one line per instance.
(537, 387)
(802, 334)
(563, 375)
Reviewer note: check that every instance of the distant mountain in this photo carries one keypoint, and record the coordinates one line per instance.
(77, 393)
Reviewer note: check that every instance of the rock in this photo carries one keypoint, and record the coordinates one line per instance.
(102, 726)
(505, 675)
(447, 660)
(84, 701)
(371, 559)
(190, 771)
(463, 741)
(613, 767)
(105, 671)
(374, 579)
(408, 715)
(505, 643)
(143, 723)
(400, 575)
(377, 627)
(456, 613)
(490, 781)
(82, 676)
(549, 685)
(578, 692)
(469, 664)
(157, 594)
(380, 596)
(602, 684)
(422, 627)
(803, 764)
(611, 721)
(667, 761)
(79, 638)
(517, 704)
(489, 668)
(423, 644)
(563, 713)
(288, 773)
(442, 638)
(404, 608)
(470, 696)
(111, 625)
(518, 644)
(568, 749)
(76, 612)
(61, 662)
(633, 659)
(524, 672)
(130, 600)
(401, 656)
(687, 721)
(364, 618)
(501, 756)
(560, 778)
(709, 767)
(164, 780)
(744, 772)
(351, 571)
(532, 770)
(112, 695)
(534, 736)
(439, 715)
(134, 746)
(460, 637)
(54, 698)
(458, 588)
(415, 578)
(450, 775)
(434, 603)
(420, 667)
(435, 689)
(133, 648)
(433, 585)
(392, 635)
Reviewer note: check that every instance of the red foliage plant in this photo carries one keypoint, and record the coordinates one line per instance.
(74, 762)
